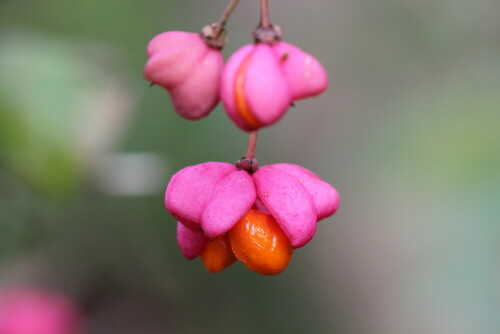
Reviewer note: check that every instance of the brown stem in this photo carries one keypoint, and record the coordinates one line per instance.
(264, 14)
(252, 143)
(225, 16)
(248, 163)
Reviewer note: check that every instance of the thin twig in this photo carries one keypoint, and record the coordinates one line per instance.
(225, 16)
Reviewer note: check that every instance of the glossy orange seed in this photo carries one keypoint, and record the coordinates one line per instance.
(258, 242)
(217, 254)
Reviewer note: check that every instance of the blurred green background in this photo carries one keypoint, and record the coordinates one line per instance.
(408, 132)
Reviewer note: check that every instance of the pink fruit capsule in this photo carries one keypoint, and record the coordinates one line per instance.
(210, 198)
(260, 82)
(188, 68)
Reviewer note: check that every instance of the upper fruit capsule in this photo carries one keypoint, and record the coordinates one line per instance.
(262, 80)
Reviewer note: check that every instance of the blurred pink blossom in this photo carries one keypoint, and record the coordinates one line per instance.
(30, 311)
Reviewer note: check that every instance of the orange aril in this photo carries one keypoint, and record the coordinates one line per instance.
(258, 242)
(239, 92)
(217, 254)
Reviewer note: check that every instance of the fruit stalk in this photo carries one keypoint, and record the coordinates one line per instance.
(264, 14)
(225, 16)
(252, 143)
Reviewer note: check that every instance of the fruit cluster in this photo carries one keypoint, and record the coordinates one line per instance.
(224, 211)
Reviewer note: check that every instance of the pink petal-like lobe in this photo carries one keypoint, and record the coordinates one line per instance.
(174, 63)
(169, 38)
(197, 95)
(191, 242)
(266, 89)
(231, 199)
(190, 188)
(305, 74)
(326, 198)
(289, 202)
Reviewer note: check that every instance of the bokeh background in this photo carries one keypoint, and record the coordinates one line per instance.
(408, 132)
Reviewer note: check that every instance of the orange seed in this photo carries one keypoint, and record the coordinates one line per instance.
(217, 254)
(258, 242)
